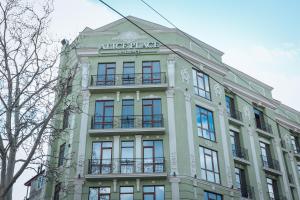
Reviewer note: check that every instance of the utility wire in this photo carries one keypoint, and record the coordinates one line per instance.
(236, 74)
(178, 54)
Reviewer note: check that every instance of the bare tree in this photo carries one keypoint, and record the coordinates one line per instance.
(29, 83)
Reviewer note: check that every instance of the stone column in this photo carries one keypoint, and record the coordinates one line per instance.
(116, 150)
(79, 179)
(278, 150)
(190, 135)
(295, 173)
(171, 127)
(138, 153)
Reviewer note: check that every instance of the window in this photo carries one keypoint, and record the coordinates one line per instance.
(151, 72)
(259, 119)
(61, 155)
(152, 116)
(212, 196)
(126, 193)
(66, 118)
(127, 113)
(106, 74)
(265, 153)
(127, 161)
(235, 143)
(240, 180)
(205, 123)
(153, 156)
(57, 191)
(209, 165)
(153, 192)
(298, 167)
(272, 189)
(201, 84)
(295, 144)
(128, 73)
(102, 193)
(104, 114)
(101, 162)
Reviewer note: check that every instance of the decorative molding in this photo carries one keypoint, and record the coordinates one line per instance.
(247, 113)
(128, 97)
(170, 93)
(151, 96)
(185, 76)
(105, 98)
(218, 90)
(137, 95)
(187, 96)
(129, 36)
(118, 96)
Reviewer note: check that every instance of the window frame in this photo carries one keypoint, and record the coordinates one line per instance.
(100, 164)
(151, 66)
(196, 84)
(154, 191)
(218, 196)
(127, 121)
(131, 193)
(61, 154)
(106, 80)
(153, 122)
(200, 111)
(154, 157)
(102, 122)
(99, 194)
(127, 161)
(205, 169)
(128, 79)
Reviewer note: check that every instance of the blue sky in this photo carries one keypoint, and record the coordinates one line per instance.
(258, 37)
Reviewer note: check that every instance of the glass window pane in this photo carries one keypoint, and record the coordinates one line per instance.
(160, 194)
(148, 189)
(93, 194)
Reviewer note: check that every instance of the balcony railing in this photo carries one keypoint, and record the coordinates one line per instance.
(239, 152)
(248, 192)
(129, 121)
(272, 196)
(265, 127)
(236, 115)
(268, 162)
(127, 166)
(128, 79)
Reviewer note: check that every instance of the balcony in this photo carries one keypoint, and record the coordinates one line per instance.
(270, 165)
(126, 168)
(240, 153)
(128, 82)
(236, 117)
(265, 129)
(247, 192)
(143, 124)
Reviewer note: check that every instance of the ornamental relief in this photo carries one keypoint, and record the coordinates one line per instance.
(185, 77)
(218, 90)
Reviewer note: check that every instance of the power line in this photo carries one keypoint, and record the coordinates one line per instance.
(178, 54)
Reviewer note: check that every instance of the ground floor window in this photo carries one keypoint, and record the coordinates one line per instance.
(97, 193)
(212, 196)
(153, 192)
(126, 193)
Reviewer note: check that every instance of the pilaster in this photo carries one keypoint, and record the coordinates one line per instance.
(116, 153)
(138, 150)
(295, 173)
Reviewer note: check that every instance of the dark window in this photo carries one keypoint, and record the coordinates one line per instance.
(101, 193)
(127, 162)
(235, 143)
(61, 155)
(272, 189)
(295, 144)
(230, 107)
(201, 84)
(209, 165)
(212, 196)
(240, 180)
(66, 118)
(127, 113)
(154, 192)
(57, 191)
(126, 193)
(106, 74)
(265, 154)
(104, 114)
(153, 156)
(152, 116)
(205, 123)
(101, 162)
(151, 72)
(259, 119)
(298, 168)
(128, 73)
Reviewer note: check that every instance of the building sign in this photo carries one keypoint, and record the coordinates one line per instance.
(130, 45)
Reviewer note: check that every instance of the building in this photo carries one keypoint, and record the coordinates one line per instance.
(155, 127)
(35, 186)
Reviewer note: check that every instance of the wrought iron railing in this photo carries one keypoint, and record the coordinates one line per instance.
(128, 121)
(247, 192)
(236, 115)
(128, 79)
(127, 166)
(265, 127)
(270, 163)
(239, 152)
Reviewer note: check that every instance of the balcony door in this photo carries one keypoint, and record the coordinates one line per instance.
(259, 119)
(101, 162)
(272, 189)
(240, 179)
(127, 119)
(104, 114)
(153, 156)
(230, 106)
(235, 143)
(106, 74)
(265, 154)
(128, 77)
(152, 116)
(151, 72)
(127, 161)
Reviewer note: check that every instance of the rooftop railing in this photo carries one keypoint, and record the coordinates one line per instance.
(268, 162)
(127, 166)
(128, 79)
(128, 121)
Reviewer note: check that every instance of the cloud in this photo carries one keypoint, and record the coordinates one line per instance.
(278, 67)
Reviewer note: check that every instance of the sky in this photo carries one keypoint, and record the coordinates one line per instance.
(259, 38)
